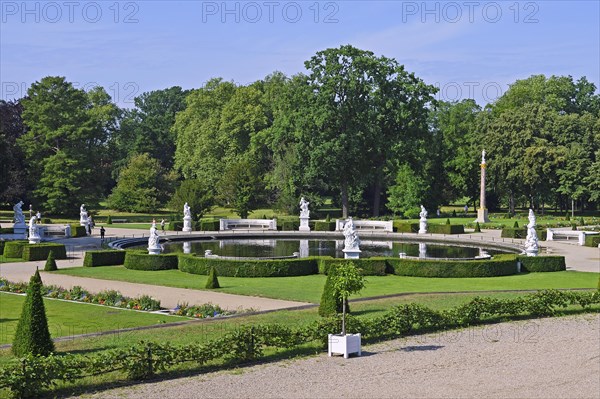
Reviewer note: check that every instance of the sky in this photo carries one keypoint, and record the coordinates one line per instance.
(468, 49)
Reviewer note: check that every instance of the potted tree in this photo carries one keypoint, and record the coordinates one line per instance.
(347, 280)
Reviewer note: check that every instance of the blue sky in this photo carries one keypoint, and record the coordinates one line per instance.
(467, 48)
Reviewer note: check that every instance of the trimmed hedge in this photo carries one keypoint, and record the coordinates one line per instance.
(324, 225)
(500, 265)
(248, 268)
(175, 226)
(446, 229)
(14, 249)
(77, 230)
(138, 260)
(510, 232)
(41, 251)
(104, 258)
(592, 241)
(542, 263)
(368, 266)
(210, 225)
(2, 247)
(288, 225)
(403, 227)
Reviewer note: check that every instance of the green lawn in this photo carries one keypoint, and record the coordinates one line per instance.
(72, 318)
(309, 288)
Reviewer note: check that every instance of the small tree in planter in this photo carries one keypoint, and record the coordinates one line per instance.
(347, 280)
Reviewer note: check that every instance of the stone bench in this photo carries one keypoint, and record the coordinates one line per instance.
(47, 230)
(553, 234)
(366, 225)
(248, 224)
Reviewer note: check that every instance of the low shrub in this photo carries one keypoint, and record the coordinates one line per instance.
(2, 242)
(77, 230)
(477, 228)
(592, 240)
(14, 249)
(368, 266)
(325, 225)
(542, 263)
(404, 227)
(446, 229)
(175, 225)
(41, 251)
(248, 268)
(288, 225)
(139, 260)
(104, 258)
(108, 220)
(511, 232)
(499, 265)
(210, 224)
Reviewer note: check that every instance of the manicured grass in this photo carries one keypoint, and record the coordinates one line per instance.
(70, 318)
(309, 288)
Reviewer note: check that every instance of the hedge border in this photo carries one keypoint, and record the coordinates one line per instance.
(139, 260)
(592, 241)
(248, 268)
(542, 263)
(14, 249)
(41, 251)
(104, 258)
(499, 265)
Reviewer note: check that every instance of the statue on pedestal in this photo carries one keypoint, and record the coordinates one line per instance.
(423, 220)
(83, 215)
(531, 241)
(351, 241)
(34, 231)
(154, 247)
(304, 212)
(187, 218)
(19, 218)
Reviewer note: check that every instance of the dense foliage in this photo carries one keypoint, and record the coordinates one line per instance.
(355, 128)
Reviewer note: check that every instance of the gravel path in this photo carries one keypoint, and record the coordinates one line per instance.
(545, 358)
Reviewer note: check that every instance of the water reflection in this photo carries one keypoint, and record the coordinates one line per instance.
(286, 247)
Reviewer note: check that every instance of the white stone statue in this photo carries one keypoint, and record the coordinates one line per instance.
(483, 156)
(34, 231)
(83, 215)
(351, 241)
(19, 218)
(304, 212)
(154, 247)
(423, 221)
(187, 218)
(531, 241)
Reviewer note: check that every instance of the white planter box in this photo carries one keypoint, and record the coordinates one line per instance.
(344, 345)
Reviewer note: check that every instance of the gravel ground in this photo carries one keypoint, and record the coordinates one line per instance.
(545, 358)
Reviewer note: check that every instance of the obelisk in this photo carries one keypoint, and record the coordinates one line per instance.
(482, 212)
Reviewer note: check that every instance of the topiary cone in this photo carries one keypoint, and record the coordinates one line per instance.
(477, 228)
(32, 335)
(516, 225)
(330, 303)
(213, 281)
(50, 265)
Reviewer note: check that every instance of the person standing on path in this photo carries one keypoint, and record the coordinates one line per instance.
(162, 225)
(102, 232)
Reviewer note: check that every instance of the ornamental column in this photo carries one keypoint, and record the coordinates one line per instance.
(482, 212)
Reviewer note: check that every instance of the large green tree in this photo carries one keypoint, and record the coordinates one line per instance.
(147, 128)
(143, 186)
(12, 167)
(65, 143)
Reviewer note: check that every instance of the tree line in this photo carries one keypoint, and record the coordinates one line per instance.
(356, 129)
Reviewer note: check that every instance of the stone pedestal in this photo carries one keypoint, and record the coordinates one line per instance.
(423, 226)
(187, 223)
(351, 253)
(304, 224)
(154, 250)
(20, 231)
(482, 216)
